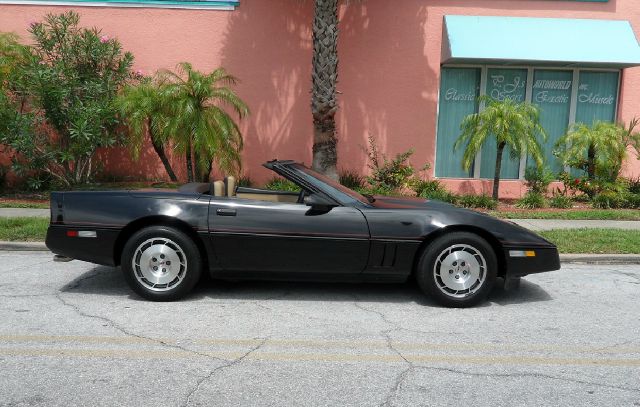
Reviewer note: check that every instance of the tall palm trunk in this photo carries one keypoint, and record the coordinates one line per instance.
(189, 163)
(324, 78)
(496, 175)
(159, 149)
(201, 174)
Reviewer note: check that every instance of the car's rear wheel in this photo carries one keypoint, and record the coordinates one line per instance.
(458, 269)
(161, 263)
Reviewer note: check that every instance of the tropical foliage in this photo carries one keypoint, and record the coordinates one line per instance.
(185, 109)
(197, 121)
(62, 94)
(512, 124)
(143, 108)
(599, 149)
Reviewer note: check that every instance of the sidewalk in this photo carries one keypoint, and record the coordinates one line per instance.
(551, 224)
(24, 213)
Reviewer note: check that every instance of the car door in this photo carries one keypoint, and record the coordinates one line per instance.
(253, 235)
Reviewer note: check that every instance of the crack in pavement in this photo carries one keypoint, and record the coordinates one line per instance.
(402, 376)
(126, 332)
(219, 368)
(395, 325)
(535, 375)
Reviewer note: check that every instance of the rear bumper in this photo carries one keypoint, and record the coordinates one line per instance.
(547, 258)
(99, 249)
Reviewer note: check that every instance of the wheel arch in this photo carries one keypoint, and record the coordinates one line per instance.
(483, 233)
(156, 220)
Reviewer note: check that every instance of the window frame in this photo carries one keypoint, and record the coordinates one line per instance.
(484, 68)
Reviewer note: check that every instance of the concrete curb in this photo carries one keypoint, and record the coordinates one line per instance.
(564, 258)
(23, 247)
(600, 258)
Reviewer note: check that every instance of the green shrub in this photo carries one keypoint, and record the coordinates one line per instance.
(425, 188)
(245, 181)
(69, 82)
(444, 196)
(634, 185)
(632, 201)
(609, 200)
(560, 202)
(538, 179)
(477, 201)
(390, 174)
(377, 190)
(281, 184)
(531, 200)
(352, 180)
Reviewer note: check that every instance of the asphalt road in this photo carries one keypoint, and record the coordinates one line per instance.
(73, 334)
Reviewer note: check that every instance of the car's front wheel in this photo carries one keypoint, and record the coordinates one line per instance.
(458, 269)
(161, 263)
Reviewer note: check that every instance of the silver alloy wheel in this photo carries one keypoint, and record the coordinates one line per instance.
(159, 264)
(460, 270)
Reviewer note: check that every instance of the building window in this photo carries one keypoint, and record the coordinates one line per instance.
(459, 91)
(192, 4)
(561, 104)
(552, 90)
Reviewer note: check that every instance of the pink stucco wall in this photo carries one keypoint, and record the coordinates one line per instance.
(389, 69)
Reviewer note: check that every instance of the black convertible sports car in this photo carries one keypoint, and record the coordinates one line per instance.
(163, 240)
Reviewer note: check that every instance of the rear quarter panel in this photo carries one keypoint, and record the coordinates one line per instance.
(112, 213)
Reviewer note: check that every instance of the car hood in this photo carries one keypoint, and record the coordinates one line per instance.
(442, 215)
(390, 202)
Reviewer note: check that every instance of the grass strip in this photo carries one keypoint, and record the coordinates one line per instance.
(595, 241)
(24, 205)
(587, 214)
(23, 229)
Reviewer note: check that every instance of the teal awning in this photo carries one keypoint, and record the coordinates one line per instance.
(543, 41)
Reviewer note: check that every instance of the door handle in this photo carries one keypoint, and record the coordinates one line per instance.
(226, 212)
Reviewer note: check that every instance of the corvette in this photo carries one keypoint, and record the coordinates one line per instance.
(163, 240)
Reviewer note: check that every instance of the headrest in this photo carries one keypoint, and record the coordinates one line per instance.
(230, 185)
(218, 188)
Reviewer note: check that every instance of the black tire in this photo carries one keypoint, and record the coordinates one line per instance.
(144, 245)
(473, 248)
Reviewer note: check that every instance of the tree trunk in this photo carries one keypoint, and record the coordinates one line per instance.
(189, 163)
(159, 149)
(201, 174)
(591, 162)
(323, 94)
(496, 175)
(207, 174)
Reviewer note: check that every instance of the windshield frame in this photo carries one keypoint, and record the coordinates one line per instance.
(345, 196)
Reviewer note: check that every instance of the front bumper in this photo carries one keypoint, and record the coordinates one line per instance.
(546, 258)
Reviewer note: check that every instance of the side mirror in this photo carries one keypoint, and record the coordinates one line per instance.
(318, 202)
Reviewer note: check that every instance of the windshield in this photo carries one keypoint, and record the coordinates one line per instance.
(333, 183)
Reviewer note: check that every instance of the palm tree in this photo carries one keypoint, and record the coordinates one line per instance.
(598, 149)
(142, 107)
(512, 124)
(197, 121)
(323, 93)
